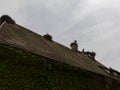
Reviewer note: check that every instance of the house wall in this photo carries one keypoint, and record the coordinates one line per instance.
(21, 70)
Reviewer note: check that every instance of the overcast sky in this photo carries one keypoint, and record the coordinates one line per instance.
(95, 24)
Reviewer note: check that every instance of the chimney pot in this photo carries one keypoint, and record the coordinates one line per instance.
(74, 46)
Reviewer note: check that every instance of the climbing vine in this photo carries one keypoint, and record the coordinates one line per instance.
(22, 70)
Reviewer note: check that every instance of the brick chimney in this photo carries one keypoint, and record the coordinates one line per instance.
(74, 46)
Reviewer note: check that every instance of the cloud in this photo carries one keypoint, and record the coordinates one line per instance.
(51, 15)
(8, 6)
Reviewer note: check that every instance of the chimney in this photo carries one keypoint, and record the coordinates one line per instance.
(48, 37)
(74, 46)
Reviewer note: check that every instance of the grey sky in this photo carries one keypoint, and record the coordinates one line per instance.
(93, 23)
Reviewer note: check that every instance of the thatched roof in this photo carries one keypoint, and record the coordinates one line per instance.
(20, 37)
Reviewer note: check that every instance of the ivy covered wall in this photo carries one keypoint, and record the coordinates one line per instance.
(20, 70)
